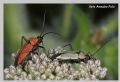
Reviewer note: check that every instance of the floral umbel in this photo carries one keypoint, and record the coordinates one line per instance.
(41, 67)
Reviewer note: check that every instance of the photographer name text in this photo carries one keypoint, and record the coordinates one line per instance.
(101, 6)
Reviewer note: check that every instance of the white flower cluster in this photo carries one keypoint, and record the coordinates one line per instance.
(41, 67)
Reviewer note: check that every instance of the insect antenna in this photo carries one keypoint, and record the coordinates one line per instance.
(103, 44)
(44, 27)
(50, 33)
(43, 23)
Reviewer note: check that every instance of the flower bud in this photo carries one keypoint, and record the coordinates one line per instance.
(104, 69)
(6, 70)
(43, 77)
(90, 62)
(102, 74)
(51, 77)
(47, 72)
(19, 70)
(13, 56)
(29, 77)
(42, 69)
(93, 77)
(70, 77)
(51, 51)
(44, 63)
(97, 62)
(42, 56)
(57, 78)
(57, 69)
(37, 78)
(16, 77)
(24, 74)
(8, 76)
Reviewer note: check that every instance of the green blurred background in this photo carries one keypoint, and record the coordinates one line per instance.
(85, 28)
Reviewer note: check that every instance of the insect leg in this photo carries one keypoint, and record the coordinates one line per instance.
(78, 52)
(69, 46)
(23, 38)
(42, 44)
(24, 63)
(58, 54)
(36, 47)
(42, 48)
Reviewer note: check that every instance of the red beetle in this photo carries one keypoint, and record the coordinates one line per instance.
(29, 47)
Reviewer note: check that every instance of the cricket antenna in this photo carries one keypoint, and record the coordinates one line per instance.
(106, 40)
(43, 28)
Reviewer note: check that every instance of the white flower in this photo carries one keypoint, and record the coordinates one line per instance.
(90, 62)
(37, 78)
(58, 78)
(32, 68)
(29, 76)
(16, 77)
(43, 68)
(51, 51)
(93, 77)
(24, 75)
(102, 74)
(13, 71)
(58, 69)
(35, 57)
(6, 70)
(30, 63)
(51, 77)
(42, 56)
(47, 72)
(104, 69)
(19, 70)
(99, 68)
(60, 74)
(96, 72)
(8, 76)
(71, 77)
(12, 67)
(13, 56)
(44, 63)
(97, 62)
(36, 73)
(56, 63)
(51, 66)
(43, 77)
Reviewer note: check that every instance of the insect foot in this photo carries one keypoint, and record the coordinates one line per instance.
(61, 65)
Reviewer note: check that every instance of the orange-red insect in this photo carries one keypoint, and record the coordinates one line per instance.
(29, 47)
